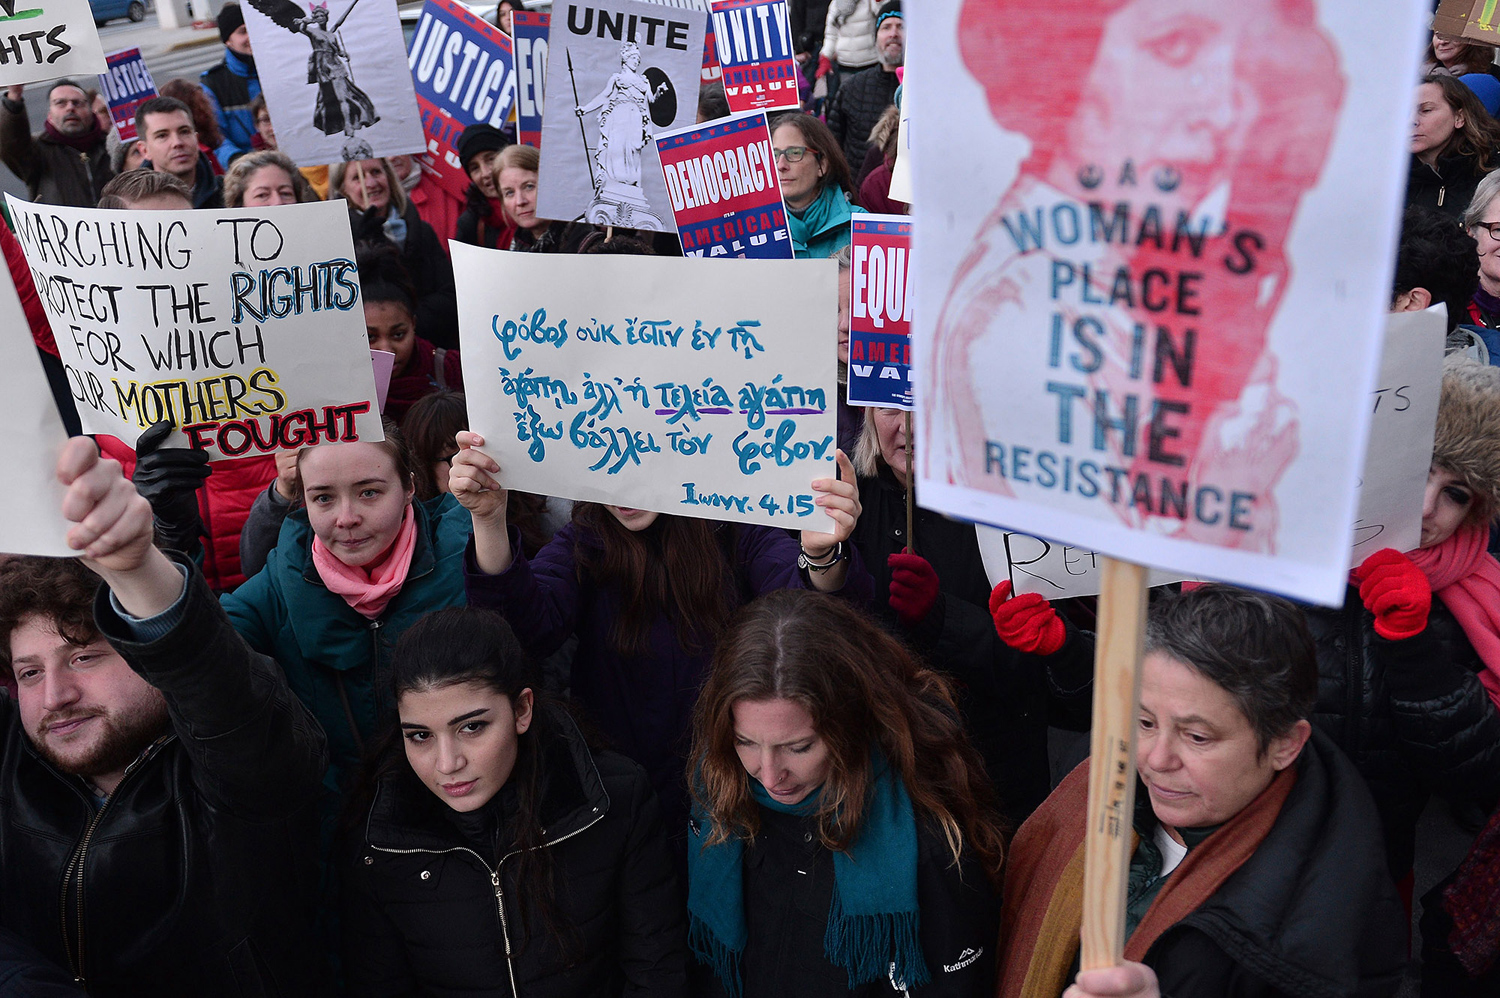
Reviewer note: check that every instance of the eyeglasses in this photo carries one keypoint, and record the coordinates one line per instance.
(68, 102)
(792, 154)
(1491, 229)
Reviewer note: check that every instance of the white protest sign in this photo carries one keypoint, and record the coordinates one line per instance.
(1403, 420)
(34, 434)
(335, 78)
(1056, 571)
(47, 40)
(242, 326)
(900, 189)
(677, 385)
(1146, 326)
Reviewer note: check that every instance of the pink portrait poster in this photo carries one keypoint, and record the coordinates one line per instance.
(1154, 282)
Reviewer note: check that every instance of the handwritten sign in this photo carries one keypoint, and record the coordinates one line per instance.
(126, 86)
(725, 192)
(1120, 289)
(531, 31)
(754, 46)
(880, 312)
(463, 74)
(47, 40)
(1056, 571)
(242, 326)
(658, 383)
(34, 434)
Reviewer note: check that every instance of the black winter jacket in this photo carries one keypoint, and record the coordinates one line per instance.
(1411, 715)
(195, 878)
(1310, 913)
(52, 172)
(858, 105)
(788, 889)
(1448, 188)
(425, 913)
(428, 267)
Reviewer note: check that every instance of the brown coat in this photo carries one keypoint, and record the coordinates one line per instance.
(53, 173)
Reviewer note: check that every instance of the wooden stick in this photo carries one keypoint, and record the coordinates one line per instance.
(911, 489)
(1117, 687)
(359, 178)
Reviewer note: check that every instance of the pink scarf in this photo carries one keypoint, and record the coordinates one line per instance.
(369, 590)
(1467, 579)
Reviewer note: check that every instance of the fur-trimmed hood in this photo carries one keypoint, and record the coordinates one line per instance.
(1467, 442)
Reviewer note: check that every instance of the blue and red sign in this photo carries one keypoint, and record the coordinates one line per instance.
(126, 85)
(726, 197)
(463, 73)
(531, 29)
(754, 43)
(880, 285)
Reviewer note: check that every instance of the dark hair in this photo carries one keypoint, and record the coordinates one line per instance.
(59, 589)
(821, 143)
(245, 166)
(160, 105)
(202, 111)
(394, 445)
(383, 276)
(713, 102)
(430, 426)
(1254, 646)
(863, 688)
(257, 105)
(1436, 253)
(1475, 58)
(65, 82)
(125, 190)
(678, 567)
(616, 244)
(1479, 138)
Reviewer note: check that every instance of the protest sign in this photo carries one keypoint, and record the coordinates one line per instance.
(1403, 418)
(1056, 571)
(47, 40)
(663, 384)
(710, 65)
(383, 362)
(126, 85)
(726, 195)
(327, 73)
(241, 326)
(1475, 20)
(29, 447)
(900, 189)
(880, 308)
(618, 72)
(1131, 315)
(531, 31)
(753, 41)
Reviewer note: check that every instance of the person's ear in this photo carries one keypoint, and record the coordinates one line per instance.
(1284, 750)
(1458, 120)
(1414, 300)
(522, 706)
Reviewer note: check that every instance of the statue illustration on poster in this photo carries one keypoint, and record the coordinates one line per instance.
(632, 105)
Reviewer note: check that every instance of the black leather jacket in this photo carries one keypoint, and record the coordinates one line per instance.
(195, 877)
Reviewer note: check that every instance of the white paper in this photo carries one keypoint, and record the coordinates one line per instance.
(312, 75)
(1054, 570)
(197, 317)
(900, 189)
(1255, 139)
(48, 40)
(682, 386)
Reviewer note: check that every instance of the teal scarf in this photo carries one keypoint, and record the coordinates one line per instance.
(873, 920)
(829, 209)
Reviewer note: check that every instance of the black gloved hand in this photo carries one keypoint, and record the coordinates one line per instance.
(369, 225)
(169, 478)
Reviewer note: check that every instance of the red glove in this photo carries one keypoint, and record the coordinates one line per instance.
(1396, 592)
(825, 66)
(1027, 623)
(914, 587)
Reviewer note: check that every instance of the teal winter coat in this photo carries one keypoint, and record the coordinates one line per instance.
(823, 227)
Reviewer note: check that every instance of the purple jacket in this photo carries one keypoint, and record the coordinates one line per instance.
(642, 703)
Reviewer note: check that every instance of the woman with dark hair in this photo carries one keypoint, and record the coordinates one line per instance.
(390, 304)
(1457, 56)
(1455, 143)
(647, 594)
(844, 839)
(815, 183)
(502, 853)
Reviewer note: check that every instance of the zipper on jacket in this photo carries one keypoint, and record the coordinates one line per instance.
(1442, 192)
(504, 928)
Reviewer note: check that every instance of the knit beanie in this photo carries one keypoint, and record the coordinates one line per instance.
(1467, 441)
(891, 8)
(478, 138)
(230, 18)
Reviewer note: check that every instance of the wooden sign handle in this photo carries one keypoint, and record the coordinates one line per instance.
(911, 490)
(1117, 687)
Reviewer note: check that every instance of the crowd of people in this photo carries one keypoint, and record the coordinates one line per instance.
(357, 719)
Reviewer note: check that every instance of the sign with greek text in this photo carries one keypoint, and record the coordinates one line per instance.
(754, 44)
(34, 434)
(462, 69)
(618, 73)
(1147, 328)
(531, 31)
(242, 326)
(126, 85)
(880, 312)
(1056, 571)
(658, 383)
(47, 40)
(725, 192)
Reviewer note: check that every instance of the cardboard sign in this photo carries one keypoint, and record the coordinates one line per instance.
(880, 309)
(1056, 571)
(329, 73)
(726, 195)
(1120, 286)
(754, 44)
(48, 40)
(1478, 20)
(126, 86)
(531, 31)
(652, 382)
(618, 72)
(242, 326)
(463, 73)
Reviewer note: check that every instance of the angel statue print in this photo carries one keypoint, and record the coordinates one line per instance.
(341, 105)
(631, 106)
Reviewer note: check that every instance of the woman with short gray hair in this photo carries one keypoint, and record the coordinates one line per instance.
(1482, 219)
